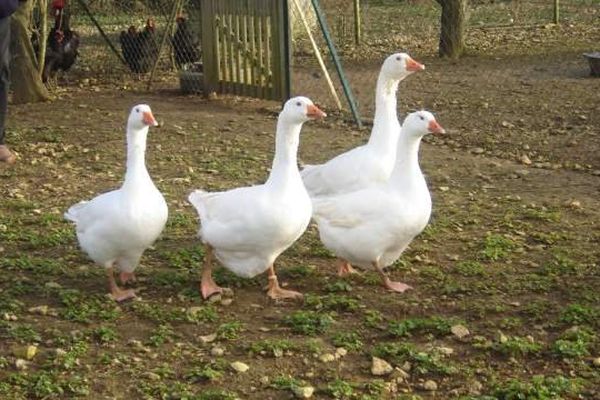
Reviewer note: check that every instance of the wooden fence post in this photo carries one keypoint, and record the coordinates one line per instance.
(556, 11)
(357, 29)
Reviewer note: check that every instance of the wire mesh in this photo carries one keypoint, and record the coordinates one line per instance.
(159, 40)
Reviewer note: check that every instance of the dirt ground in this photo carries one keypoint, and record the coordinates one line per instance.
(511, 252)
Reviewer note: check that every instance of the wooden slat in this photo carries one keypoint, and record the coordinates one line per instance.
(244, 27)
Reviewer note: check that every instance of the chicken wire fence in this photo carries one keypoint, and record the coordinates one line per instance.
(158, 41)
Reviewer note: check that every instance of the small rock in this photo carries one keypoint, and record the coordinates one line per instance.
(151, 376)
(340, 352)
(400, 375)
(430, 385)
(446, 350)
(327, 357)
(596, 172)
(502, 338)
(303, 392)
(380, 367)
(265, 380)
(460, 331)
(41, 310)
(521, 173)
(226, 302)
(21, 364)
(444, 188)
(216, 298)
(239, 366)
(52, 285)
(525, 159)
(478, 150)
(208, 338)
(572, 203)
(217, 351)
(596, 362)
(474, 387)
(26, 352)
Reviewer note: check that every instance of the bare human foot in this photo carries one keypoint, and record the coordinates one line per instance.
(275, 291)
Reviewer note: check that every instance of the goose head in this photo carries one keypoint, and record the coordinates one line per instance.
(141, 117)
(400, 65)
(299, 110)
(421, 123)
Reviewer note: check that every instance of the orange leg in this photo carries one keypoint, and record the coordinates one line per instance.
(275, 292)
(345, 268)
(125, 277)
(116, 292)
(398, 287)
(208, 287)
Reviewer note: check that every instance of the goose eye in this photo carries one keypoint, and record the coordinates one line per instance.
(398, 58)
(298, 104)
(422, 117)
(137, 110)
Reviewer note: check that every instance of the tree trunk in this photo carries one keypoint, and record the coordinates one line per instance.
(43, 34)
(453, 22)
(26, 83)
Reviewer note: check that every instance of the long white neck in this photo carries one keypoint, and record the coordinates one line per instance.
(386, 127)
(136, 158)
(407, 176)
(285, 165)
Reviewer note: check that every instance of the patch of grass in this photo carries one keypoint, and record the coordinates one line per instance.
(159, 312)
(331, 302)
(162, 334)
(338, 286)
(286, 382)
(104, 334)
(574, 343)
(69, 359)
(470, 268)
(297, 271)
(308, 322)
(517, 346)
(230, 330)
(497, 247)
(579, 314)
(37, 265)
(422, 362)
(373, 318)
(23, 333)
(542, 214)
(433, 325)
(85, 308)
(349, 340)
(206, 313)
(206, 372)
(539, 388)
(274, 347)
(340, 389)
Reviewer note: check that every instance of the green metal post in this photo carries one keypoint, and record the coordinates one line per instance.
(337, 63)
(556, 11)
(287, 90)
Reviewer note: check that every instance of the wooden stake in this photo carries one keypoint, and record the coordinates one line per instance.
(338, 103)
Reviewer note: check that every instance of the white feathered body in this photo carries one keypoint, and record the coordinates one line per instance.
(356, 169)
(118, 226)
(373, 224)
(250, 227)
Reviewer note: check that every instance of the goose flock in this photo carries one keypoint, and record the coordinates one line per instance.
(368, 203)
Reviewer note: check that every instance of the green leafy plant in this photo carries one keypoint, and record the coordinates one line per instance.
(348, 340)
(497, 247)
(308, 322)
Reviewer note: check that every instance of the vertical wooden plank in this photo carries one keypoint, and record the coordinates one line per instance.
(246, 48)
(269, 56)
(238, 47)
(261, 52)
(224, 47)
(252, 33)
(273, 57)
(233, 45)
(208, 47)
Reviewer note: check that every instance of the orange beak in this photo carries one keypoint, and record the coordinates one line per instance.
(149, 119)
(413, 66)
(434, 127)
(314, 112)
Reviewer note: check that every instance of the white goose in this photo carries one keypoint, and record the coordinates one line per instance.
(372, 227)
(248, 227)
(116, 227)
(374, 161)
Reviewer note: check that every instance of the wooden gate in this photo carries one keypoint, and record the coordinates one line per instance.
(245, 46)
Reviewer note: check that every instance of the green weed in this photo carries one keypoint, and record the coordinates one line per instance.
(308, 322)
